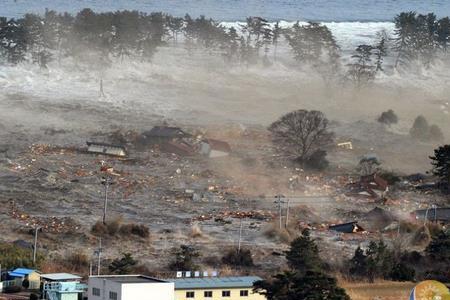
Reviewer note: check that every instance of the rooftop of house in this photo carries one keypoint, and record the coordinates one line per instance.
(165, 131)
(20, 272)
(60, 276)
(219, 145)
(215, 282)
(129, 278)
(104, 145)
(438, 213)
(347, 227)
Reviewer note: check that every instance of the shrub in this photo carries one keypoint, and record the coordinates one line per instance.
(436, 133)
(184, 258)
(390, 177)
(77, 261)
(135, 229)
(275, 233)
(388, 117)
(34, 297)
(317, 161)
(402, 272)
(241, 258)
(123, 265)
(99, 229)
(420, 128)
(422, 131)
(114, 227)
(13, 256)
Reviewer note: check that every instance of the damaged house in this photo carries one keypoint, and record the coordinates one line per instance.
(433, 214)
(163, 134)
(215, 148)
(107, 149)
(350, 227)
(370, 186)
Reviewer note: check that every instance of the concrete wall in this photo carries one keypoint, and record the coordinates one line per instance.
(131, 291)
(35, 280)
(146, 291)
(105, 287)
(217, 294)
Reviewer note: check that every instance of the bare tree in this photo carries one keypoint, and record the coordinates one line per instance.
(300, 133)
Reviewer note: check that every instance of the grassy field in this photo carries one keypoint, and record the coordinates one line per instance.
(380, 290)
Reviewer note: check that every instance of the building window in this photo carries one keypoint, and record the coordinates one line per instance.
(113, 295)
(244, 293)
(95, 292)
(208, 294)
(226, 293)
(190, 294)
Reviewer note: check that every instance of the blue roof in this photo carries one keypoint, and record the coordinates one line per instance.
(21, 272)
(214, 282)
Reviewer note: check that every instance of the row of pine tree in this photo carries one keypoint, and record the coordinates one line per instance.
(119, 35)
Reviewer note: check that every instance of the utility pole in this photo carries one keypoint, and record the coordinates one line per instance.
(35, 244)
(98, 252)
(106, 181)
(240, 237)
(279, 202)
(287, 213)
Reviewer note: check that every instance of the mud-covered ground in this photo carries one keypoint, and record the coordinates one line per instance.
(45, 173)
(46, 117)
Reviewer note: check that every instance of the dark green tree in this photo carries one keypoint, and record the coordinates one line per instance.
(305, 279)
(441, 164)
(438, 249)
(388, 117)
(242, 258)
(314, 45)
(420, 129)
(276, 33)
(123, 265)
(362, 70)
(184, 258)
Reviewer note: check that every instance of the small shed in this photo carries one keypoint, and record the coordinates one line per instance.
(21, 274)
(107, 149)
(350, 227)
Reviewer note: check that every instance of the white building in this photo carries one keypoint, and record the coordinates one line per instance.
(129, 287)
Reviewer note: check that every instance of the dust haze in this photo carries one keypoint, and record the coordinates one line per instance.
(198, 88)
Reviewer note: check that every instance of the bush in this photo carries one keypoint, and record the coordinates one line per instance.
(77, 261)
(13, 256)
(317, 161)
(390, 177)
(99, 229)
(402, 272)
(420, 128)
(114, 227)
(388, 117)
(184, 258)
(422, 131)
(135, 229)
(436, 133)
(237, 258)
(34, 297)
(123, 265)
